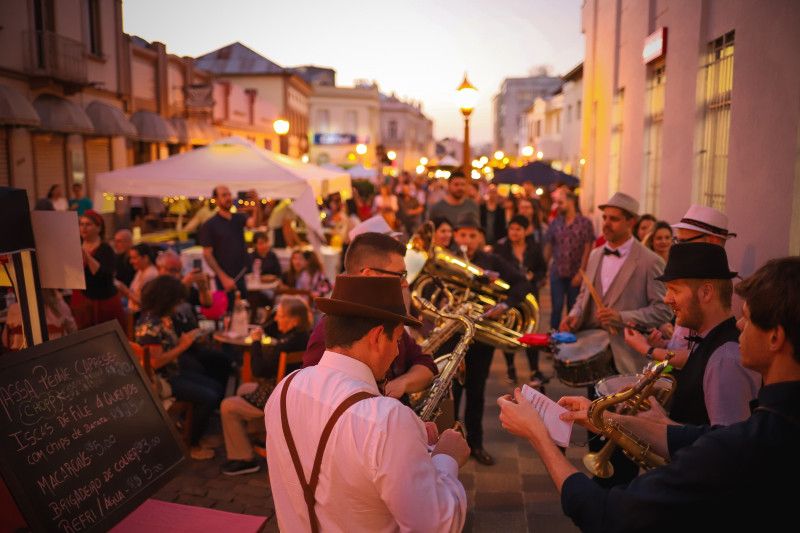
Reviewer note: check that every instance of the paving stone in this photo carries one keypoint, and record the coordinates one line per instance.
(221, 495)
(507, 522)
(248, 489)
(496, 482)
(498, 501)
(231, 507)
(547, 523)
(194, 489)
(468, 480)
(195, 500)
(535, 483)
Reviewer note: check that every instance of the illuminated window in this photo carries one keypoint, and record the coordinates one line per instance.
(653, 131)
(716, 86)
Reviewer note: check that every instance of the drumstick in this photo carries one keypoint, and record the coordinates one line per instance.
(596, 297)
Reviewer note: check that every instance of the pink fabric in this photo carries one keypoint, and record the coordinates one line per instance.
(219, 305)
(155, 516)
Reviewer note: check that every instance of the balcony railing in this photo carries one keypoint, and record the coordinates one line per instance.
(54, 56)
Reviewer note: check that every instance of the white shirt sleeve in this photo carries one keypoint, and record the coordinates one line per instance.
(728, 386)
(422, 493)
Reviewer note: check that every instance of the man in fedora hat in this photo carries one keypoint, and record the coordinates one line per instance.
(712, 386)
(623, 273)
(703, 224)
(469, 237)
(343, 458)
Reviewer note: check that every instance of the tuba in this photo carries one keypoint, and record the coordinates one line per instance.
(448, 281)
(635, 400)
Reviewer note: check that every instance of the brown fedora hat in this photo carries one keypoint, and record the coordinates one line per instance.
(379, 297)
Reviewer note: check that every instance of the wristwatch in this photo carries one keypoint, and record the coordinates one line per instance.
(649, 353)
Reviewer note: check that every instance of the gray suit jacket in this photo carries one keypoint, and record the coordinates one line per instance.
(635, 293)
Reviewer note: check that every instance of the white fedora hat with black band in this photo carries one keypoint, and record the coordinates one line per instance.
(705, 220)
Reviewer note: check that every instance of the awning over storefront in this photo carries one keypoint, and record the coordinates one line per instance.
(193, 130)
(15, 109)
(153, 127)
(109, 120)
(61, 115)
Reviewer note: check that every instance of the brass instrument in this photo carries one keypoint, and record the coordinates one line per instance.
(428, 408)
(448, 280)
(599, 463)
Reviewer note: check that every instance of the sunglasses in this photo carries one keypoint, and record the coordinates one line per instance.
(401, 274)
(676, 240)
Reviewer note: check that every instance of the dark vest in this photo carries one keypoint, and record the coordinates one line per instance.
(688, 402)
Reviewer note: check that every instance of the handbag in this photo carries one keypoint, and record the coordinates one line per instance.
(258, 398)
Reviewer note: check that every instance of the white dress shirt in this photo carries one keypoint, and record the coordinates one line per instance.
(611, 264)
(376, 472)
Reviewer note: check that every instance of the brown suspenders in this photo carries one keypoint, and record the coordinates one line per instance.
(310, 486)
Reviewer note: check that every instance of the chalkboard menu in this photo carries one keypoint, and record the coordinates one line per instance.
(83, 440)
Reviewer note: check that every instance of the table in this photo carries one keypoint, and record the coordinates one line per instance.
(243, 342)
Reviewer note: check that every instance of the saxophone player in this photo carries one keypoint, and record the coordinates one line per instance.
(720, 478)
(469, 237)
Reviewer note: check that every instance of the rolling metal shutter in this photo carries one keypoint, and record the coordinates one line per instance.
(98, 159)
(48, 154)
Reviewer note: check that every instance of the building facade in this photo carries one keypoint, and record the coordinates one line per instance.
(281, 87)
(405, 130)
(510, 104)
(341, 119)
(697, 102)
(552, 126)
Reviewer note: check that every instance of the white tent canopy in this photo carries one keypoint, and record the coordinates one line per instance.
(359, 171)
(237, 163)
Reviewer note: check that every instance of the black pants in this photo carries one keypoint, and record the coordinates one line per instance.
(533, 360)
(478, 360)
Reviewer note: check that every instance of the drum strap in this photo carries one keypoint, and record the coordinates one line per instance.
(310, 486)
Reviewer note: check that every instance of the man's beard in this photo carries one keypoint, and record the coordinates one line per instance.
(693, 316)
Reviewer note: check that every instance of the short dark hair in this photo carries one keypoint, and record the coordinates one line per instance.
(438, 221)
(145, 250)
(458, 174)
(162, 294)
(371, 247)
(520, 220)
(345, 330)
(260, 236)
(773, 297)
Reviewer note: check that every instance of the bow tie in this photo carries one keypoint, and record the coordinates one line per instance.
(609, 251)
(696, 339)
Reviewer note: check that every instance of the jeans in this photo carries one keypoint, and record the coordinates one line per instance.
(559, 288)
(203, 392)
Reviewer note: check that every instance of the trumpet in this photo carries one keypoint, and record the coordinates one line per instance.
(599, 463)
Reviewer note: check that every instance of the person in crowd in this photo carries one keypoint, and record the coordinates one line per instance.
(293, 327)
(43, 204)
(79, 202)
(58, 315)
(443, 233)
(263, 260)
(380, 255)
(712, 386)
(529, 208)
(644, 226)
(57, 198)
(313, 278)
(100, 301)
(123, 270)
(156, 331)
(526, 254)
(297, 264)
(410, 213)
(224, 249)
(624, 274)
(660, 239)
(493, 218)
(479, 356)
(455, 203)
(378, 444)
(474, 192)
(712, 470)
(567, 243)
(200, 357)
(509, 207)
(142, 258)
(385, 200)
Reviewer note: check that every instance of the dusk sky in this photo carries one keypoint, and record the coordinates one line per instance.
(418, 49)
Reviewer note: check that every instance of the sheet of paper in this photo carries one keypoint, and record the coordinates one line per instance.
(550, 411)
(58, 249)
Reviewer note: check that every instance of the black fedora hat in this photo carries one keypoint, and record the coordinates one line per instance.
(696, 260)
(378, 297)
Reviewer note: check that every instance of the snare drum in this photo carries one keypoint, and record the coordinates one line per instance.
(586, 360)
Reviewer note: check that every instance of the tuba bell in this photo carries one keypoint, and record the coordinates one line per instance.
(448, 281)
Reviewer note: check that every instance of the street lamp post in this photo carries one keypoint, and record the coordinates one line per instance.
(467, 98)
(281, 127)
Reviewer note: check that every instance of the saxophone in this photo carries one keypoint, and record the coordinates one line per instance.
(635, 448)
(428, 407)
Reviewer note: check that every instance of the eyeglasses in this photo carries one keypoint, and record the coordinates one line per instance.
(403, 274)
(676, 240)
